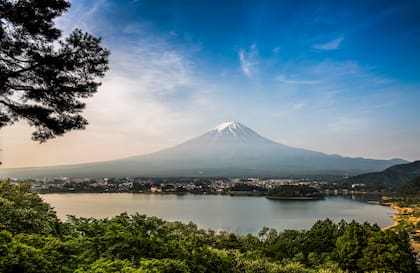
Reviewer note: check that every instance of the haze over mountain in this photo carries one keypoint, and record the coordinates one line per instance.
(230, 149)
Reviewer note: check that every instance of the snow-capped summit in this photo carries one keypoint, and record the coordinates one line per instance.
(231, 125)
(233, 131)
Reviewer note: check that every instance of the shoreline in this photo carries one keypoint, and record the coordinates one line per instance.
(402, 214)
(405, 216)
(395, 216)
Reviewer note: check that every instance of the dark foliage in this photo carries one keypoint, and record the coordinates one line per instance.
(43, 77)
(294, 191)
(412, 187)
(246, 187)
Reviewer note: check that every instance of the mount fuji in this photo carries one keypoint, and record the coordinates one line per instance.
(230, 149)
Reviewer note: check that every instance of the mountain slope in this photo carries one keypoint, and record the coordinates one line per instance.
(412, 187)
(392, 177)
(230, 149)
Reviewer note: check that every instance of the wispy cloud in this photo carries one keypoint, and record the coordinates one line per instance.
(346, 124)
(248, 60)
(330, 45)
(151, 88)
(298, 106)
(329, 87)
(82, 16)
(284, 79)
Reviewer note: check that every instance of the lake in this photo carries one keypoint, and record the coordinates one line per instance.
(240, 215)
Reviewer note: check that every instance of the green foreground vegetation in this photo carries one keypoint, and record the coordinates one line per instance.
(32, 239)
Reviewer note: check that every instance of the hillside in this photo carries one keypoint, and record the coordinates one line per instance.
(412, 187)
(391, 178)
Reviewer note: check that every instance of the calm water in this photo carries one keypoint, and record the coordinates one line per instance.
(220, 212)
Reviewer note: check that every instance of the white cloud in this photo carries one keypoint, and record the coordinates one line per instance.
(331, 45)
(248, 60)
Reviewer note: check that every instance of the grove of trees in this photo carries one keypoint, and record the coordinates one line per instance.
(294, 191)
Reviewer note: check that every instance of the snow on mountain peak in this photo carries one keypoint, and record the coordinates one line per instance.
(231, 125)
(235, 131)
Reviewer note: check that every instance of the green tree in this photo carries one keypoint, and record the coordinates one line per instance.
(349, 246)
(388, 251)
(39, 253)
(22, 210)
(43, 77)
(109, 266)
(5, 249)
(163, 266)
(321, 237)
(287, 245)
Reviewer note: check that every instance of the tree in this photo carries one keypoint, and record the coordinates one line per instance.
(43, 77)
(22, 210)
(163, 266)
(321, 238)
(105, 266)
(388, 251)
(287, 245)
(350, 245)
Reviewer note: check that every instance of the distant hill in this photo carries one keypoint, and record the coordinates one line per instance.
(229, 150)
(412, 187)
(391, 178)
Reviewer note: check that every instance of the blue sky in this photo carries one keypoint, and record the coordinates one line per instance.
(341, 77)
